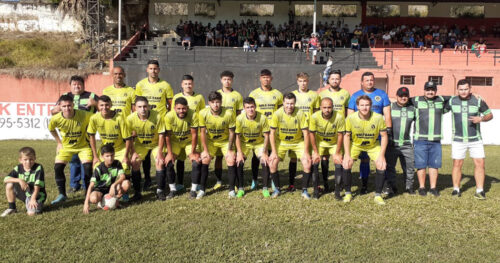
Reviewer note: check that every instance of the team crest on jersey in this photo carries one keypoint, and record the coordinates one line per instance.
(160, 90)
(152, 127)
(378, 98)
(223, 123)
(274, 97)
(309, 99)
(117, 127)
(373, 126)
(125, 94)
(465, 108)
(334, 126)
(403, 114)
(232, 99)
(295, 121)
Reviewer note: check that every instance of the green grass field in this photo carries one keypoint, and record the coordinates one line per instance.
(287, 229)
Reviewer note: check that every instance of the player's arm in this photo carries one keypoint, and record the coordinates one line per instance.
(87, 198)
(170, 156)
(231, 139)
(264, 156)
(56, 109)
(305, 134)
(21, 182)
(315, 155)
(337, 157)
(347, 162)
(129, 146)
(93, 146)
(349, 111)
(58, 139)
(272, 141)
(387, 117)
(92, 101)
(119, 180)
(384, 139)
(161, 144)
(240, 157)
(203, 139)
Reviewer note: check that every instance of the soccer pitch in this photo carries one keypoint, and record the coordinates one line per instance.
(253, 229)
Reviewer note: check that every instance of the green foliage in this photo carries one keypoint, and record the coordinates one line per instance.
(6, 62)
(252, 229)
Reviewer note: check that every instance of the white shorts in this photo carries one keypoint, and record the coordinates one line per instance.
(459, 150)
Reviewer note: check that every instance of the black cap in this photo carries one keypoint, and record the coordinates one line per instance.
(430, 85)
(265, 72)
(403, 92)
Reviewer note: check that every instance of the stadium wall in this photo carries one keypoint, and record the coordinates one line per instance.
(28, 17)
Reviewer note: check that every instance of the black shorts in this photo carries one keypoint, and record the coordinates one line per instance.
(103, 190)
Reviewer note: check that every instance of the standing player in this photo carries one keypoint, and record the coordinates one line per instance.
(364, 127)
(268, 100)
(340, 98)
(400, 145)
(86, 101)
(180, 133)
(217, 126)
(381, 105)
(289, 134)
(252, 136)
(144, 125)
(429, 110)
(468, 112)
(113, 129)
(159, 94)
(122, 96)
(72, 125)
(326, 129)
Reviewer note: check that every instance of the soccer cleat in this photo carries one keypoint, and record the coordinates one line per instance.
(179, 187)
(59, 199)
(410, 191)
(481, 195)
(217, 186)
(200, 195)
(291, 188)
(306, 195)
(315, 195)
(73, 190)
(192, 194)
(137, 197)
(147, 186)
(434, 192)
(254, 185)
(232, 194)
(422, 192)
(240, 194)
(337, 196)
(171, 194)
(364, 190)
(276, 193)
(379, 200)
(456, 193)
(347, 198)
(8, 211)
(125, 198)
(272, 185)
(265, 193)
(161, 196)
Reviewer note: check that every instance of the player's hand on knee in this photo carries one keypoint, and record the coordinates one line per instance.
(194, 157)
(347, 163)
(380, 163)
(264, 159)
(205, 155)
(337, 159)
(169, 158)
(316, 158)
(240, 157)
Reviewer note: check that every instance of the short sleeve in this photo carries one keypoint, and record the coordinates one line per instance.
(53, 123)
(381, 125)
(92, 129)
(169, 91)
(312, 124)
(201, 119)
(232, 120)
(348, 127)
(352, 104)
(124, 129)
(40, 177)
(274, 121)
(239, 103)
(238, 125)
(12, 174)
(386, 100)
(201, 105)
(138, 89)
(483, 107)
(304, 123)
(348, 100)
(132, 98)
(340, 123)
(280, 99)
(265, 125)
(196, 120)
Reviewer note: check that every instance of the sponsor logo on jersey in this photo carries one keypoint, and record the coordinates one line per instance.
(378, 98)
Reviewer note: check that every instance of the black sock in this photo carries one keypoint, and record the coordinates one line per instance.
(338, 178)
(231, 174)
(195, 173)
(315, 176)
(276, 180)
(12, 205)
(305, 180)
(146, 167)
(292, 172)
(136, 181)
(347, 178)
(264, 173)
(255, 167)
(180, 171)
(218, 174)
(160, 178)
(240, 173)
(87, 174)
(204, 176)
(60, 177)
(364, 182)
(324, 172)
(169, 169)
(379, 181)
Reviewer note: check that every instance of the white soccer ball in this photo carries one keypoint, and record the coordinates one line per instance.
(110, 202)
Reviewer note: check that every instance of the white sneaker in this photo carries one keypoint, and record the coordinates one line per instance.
(200, 194)
(8, 211)
(232, 194)
(101, 203)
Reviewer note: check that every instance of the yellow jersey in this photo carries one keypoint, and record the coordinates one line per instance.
(252, 131)
(112, 131)
(196, 101)
(364, 133)
(122, 98)
(217, 126)
(180, 129)
(306, 101)
(326, 131)
(146, 131)
(73, 131)
(267, 101)
(340, 99)
(232, 100)
(157, 94)
(289, 127)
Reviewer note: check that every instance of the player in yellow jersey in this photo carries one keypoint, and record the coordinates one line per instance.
(217, 126)
(364, 127)
(252, 136)
(289, 133)
(122, 96)
(158, 92)
(326, 131)
(180, 135)
(307, 102)
(144, 125)
(72, 125)
(113, 129)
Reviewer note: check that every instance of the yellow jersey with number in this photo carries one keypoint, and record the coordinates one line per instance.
(112, 131)
(196, 101)
(122, 98)
(289, 127)
(217, 126)
(267, 101)
(73, 131)
(180, 129)
(146, 131)
(340, 99)
(252, 131)
(157, 94)
(232, 100)
(364, 133)
(306, 101)
(326, 130)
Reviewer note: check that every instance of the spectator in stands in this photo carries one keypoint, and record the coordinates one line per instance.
(355, 45)
(458, 46)
(372, 40)
(481, 48)
(186, 42)
(436, 43)
(475, 48)
(465, 45)
(297, 43)
(386, 38)
(421, 45)
(262, 39)
(246, 45)
(428, 39)
(406, 40)
(209, 38)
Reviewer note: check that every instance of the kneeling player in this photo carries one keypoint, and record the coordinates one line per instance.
(108, 178)
(217, 126)
(326, 129)
(252, 135)
(364, 127)
(180, 133)
(289, 134)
